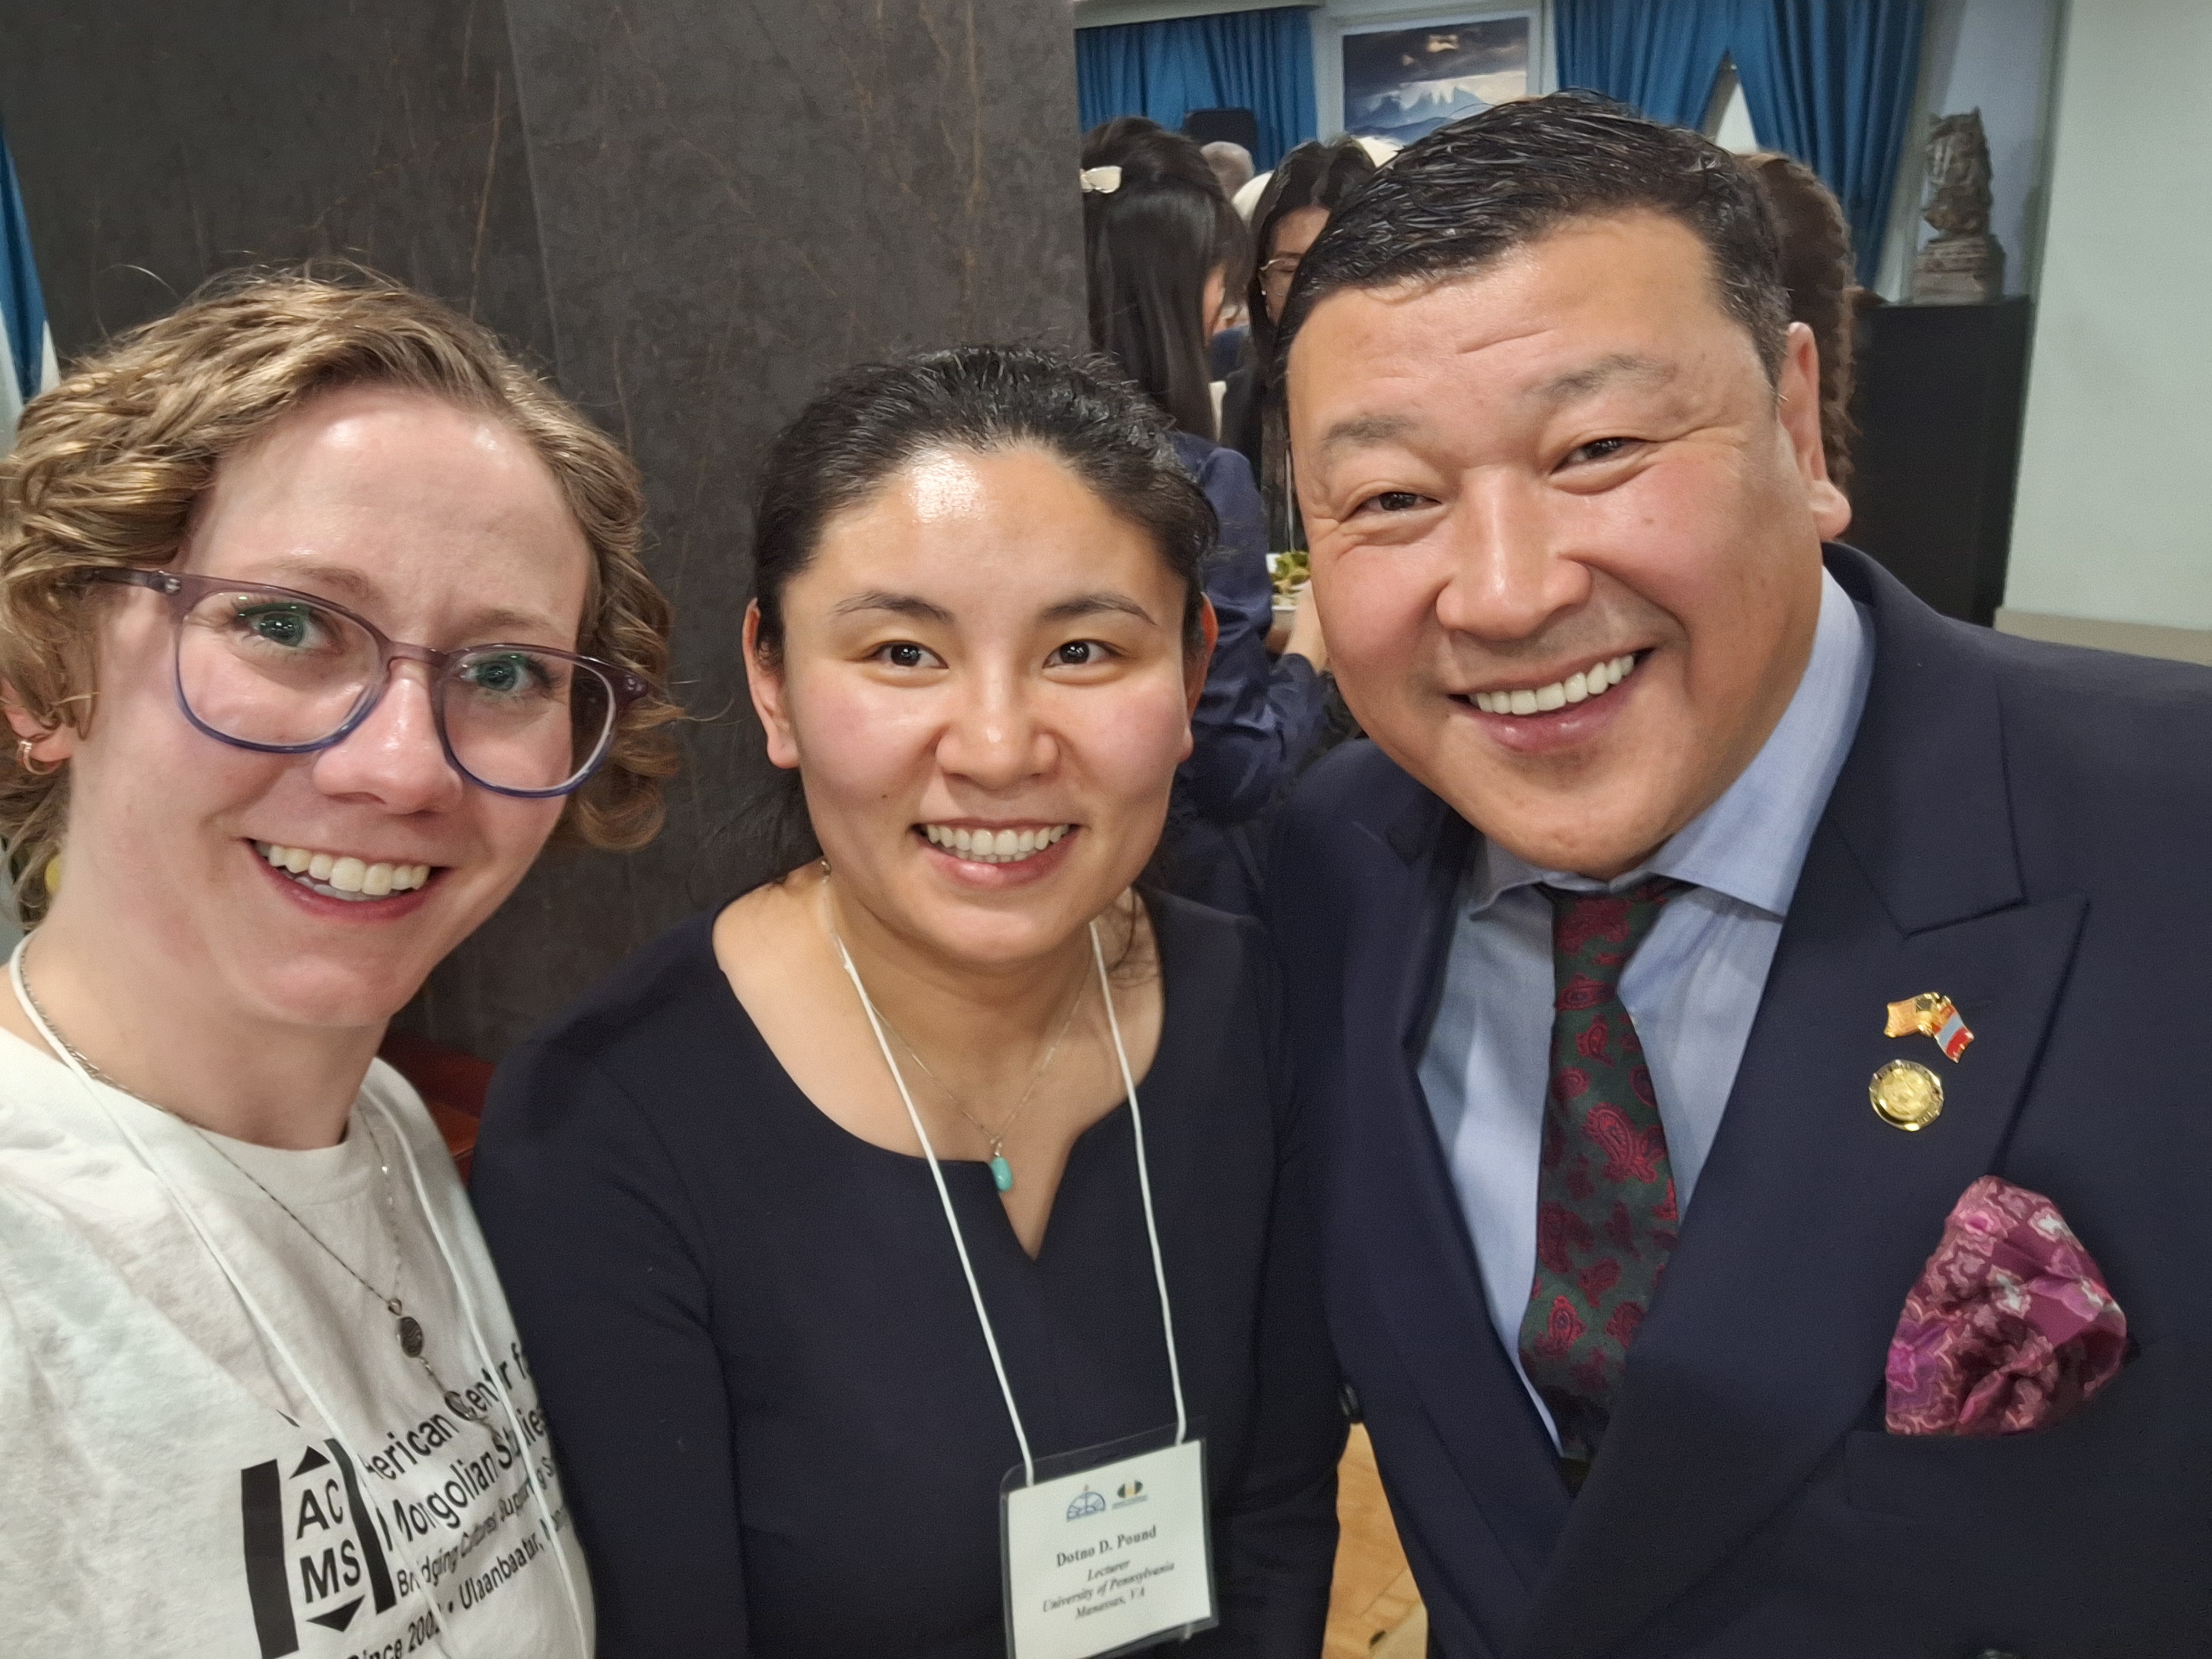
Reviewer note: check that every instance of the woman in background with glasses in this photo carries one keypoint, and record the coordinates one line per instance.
(1162, 244)
(318, 614)
(1308, 184)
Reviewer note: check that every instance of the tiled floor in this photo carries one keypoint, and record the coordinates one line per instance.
(1374, 1611)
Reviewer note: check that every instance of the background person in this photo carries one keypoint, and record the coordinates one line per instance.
(1597, 956)
(255, 1370)
(1814, 245)
(1302, 193)
(1231, 164)
(1233, 170)
(1247, 198)
(1162, 245)
(976, 639)
(1162, 249)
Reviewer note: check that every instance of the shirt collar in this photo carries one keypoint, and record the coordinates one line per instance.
(1751, 843)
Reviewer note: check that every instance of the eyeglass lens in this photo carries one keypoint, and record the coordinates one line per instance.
(276, 672)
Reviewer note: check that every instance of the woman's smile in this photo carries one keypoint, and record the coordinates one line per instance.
(344, 875)
(983, 844)
(346, 888)
(980, 855)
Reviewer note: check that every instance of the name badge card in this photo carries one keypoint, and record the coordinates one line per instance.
(1108, 1550)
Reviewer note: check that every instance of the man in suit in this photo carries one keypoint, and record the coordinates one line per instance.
(1590, 950)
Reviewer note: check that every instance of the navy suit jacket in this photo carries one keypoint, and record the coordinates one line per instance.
(2021, 826)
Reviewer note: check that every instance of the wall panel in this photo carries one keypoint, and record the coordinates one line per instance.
(693, 212)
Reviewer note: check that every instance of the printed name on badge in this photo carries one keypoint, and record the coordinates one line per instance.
(1109, 1557)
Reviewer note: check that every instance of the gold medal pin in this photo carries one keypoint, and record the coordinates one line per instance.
(1905, 1094)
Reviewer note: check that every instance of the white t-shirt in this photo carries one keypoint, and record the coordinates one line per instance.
(166, 1486)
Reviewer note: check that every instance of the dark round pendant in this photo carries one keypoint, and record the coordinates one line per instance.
(410, 1337)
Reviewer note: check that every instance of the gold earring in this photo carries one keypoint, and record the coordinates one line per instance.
(29, 762)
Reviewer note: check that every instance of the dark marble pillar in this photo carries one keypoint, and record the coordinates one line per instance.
(158, 143)
(694, 211)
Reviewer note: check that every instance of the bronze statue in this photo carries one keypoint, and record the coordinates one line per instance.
(1964, 264)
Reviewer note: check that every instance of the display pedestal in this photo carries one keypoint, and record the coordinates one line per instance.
(1941, 389)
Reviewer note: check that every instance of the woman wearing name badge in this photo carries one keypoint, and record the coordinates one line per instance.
(915, 1237)
(318, 613)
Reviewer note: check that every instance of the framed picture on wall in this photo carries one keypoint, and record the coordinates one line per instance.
(1404, 80)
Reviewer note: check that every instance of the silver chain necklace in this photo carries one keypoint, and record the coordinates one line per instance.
(1002, 1172)
(406, 1326)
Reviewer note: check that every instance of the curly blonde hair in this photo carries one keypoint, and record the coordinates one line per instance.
(108, 466)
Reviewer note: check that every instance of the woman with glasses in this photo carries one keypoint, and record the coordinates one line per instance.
(1162, 244)
(914, 1243)
(318, 614)
(1307, 186)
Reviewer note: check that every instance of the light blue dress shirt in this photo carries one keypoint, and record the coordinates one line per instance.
(1693, 987)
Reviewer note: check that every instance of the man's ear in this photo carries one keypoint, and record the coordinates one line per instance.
(50, 744)
(764, 681)
(1196, 662)
(1799, 399)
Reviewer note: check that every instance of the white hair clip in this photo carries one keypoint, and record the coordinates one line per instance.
(1103, 180)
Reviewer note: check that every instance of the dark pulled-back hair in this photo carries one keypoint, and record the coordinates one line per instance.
(1473, 192)
(873, 421)
(1148, 245)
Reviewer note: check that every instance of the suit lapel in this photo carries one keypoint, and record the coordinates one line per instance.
(1812, 1218)
(1422, 1271)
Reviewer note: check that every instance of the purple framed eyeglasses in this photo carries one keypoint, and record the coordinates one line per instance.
(284, 672)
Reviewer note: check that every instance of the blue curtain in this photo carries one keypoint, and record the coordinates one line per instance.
(1829, 82)
(1261, 61)
(22, 306)
(1661, 56)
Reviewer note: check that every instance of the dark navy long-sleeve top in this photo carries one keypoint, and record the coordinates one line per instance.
(1259, 716)
(775, 1416)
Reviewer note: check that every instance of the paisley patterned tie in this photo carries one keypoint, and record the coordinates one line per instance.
(1605, 1193)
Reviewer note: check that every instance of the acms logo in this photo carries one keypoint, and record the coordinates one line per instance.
(1086, 1503)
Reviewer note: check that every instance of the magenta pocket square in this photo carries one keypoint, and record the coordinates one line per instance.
(2010, 1326)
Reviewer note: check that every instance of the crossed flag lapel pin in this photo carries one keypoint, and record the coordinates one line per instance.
(1931, 1014)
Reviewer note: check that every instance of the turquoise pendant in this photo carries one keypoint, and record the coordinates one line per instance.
(1002, 1174)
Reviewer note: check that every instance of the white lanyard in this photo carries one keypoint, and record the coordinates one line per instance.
(269, 1328)
(951, 1220)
